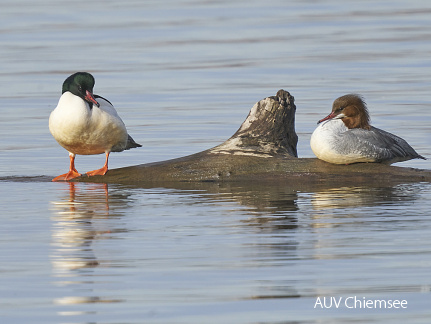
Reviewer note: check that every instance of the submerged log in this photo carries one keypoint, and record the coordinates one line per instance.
(263, 149)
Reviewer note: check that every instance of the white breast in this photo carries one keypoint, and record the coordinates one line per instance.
(82, 130)
(325, 144)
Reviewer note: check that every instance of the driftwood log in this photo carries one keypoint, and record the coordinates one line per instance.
(262, 150)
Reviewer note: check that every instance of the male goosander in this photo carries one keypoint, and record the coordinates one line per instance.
(86, 124)
(345, 136)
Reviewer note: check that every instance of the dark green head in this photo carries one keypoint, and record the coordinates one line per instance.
(81, 84)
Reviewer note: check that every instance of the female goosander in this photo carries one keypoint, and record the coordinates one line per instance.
(345, 136)
(86, 124)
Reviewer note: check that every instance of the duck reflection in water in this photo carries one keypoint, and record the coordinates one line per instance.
(86, 213)
(73, 231)
(353, 197)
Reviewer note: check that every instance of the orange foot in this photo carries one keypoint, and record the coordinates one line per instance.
(72, 174)
(101, 171)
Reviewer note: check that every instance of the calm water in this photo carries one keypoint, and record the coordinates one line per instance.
(183, 76)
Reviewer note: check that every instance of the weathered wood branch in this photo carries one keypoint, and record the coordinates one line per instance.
(263, 149)
(268, 130)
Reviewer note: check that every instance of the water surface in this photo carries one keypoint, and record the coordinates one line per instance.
(183, 76)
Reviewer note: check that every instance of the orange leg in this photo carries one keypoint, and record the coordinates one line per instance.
(101, 171)
(72, 171)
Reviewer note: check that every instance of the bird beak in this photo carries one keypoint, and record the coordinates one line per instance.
(90, 98)
(330, 116)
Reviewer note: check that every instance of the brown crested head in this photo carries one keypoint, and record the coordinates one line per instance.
(352, 110)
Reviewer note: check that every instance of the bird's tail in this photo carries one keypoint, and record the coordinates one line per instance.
(131, 143)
